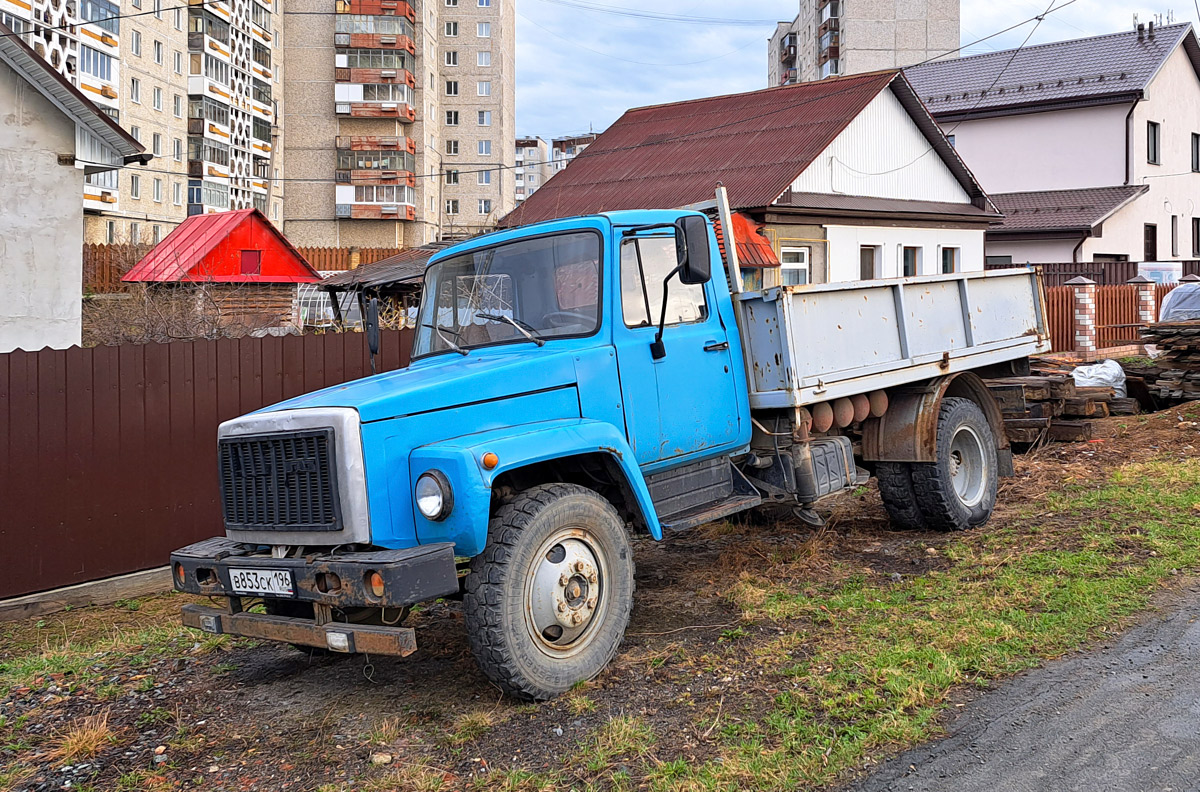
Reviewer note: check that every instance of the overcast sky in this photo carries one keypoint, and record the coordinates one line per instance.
(579, 69)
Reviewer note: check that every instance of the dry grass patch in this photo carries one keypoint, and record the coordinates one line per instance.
(84, 739)
(472, 725)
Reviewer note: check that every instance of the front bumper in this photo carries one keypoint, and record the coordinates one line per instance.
(336, 636)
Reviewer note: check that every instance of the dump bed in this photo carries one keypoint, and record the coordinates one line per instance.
(809, 344)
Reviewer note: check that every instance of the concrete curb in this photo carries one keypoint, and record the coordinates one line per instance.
(97, 592)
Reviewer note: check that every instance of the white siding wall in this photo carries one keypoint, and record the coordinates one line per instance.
(846, 241)
(882, 154)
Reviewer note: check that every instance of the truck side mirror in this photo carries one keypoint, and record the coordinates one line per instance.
(371, 327)
(691, 248)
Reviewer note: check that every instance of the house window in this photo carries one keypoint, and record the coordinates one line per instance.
(483, 30)
(485, 118)
(251, 262)
(950, 260)
(452, 58)
(485, 206)
(452, 147)
(1150, 242)
(485, 148)
(135, 186)
(485, 87)
(951, 139)
(868, 262)
(452, 206)
(484, 177)
(451, 177)
(451, 87)
(135, 90)
(451, 29)
(1196, 236)
(1195, 153)
(794, 266)
(483, 58)
(1152, 142)
(911, 259)
(451, 118)
(1174, 236)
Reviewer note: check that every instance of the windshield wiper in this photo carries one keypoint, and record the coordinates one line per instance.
(445, 340)
(522, 327)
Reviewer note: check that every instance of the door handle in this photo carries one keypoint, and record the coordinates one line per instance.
(716, 346)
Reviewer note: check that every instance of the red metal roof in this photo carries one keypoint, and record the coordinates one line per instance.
(753, 249)
(207, 248)
(673, 155)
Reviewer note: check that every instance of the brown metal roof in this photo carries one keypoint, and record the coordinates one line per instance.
(673, 155)
(407, 265)
(825, 203)
(1061, 211)
(1095, 70)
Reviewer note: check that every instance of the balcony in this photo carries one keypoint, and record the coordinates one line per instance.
(365, 211)
(377, 8)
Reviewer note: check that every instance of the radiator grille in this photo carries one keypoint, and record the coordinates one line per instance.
(280, 482)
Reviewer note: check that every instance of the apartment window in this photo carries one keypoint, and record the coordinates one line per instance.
(533, 178)
(485, 118)
(156, 145)
(485, 206)
(136, 131)
(178, 62)
(372, 24)
(177, 150)
(158, 52)
(1195, 152)
(177, 105)
(451, 29)
(485, 148)
(135, 42)
(358, 58)
(485, 3)
(135, 186)
(451, 3)
(376, 160)
(868, 262)
(177, 193)
(452, 58)
(451, 87)
(484, 58)
(179, 19)
(1153, 131)
(484, 87)
(452, 147)
(110, 232)
(483, 30)
(158, 194)
(451, 177)
(135, 229)
(451, 118)
(951, 262)
(101, 13)
(157, 98)
(911, 260)
(95, 63)
(452, 206)
(793, 270)
(1174, 236)
(1196, 237)
(484, 177)
(135, 90)
(1150, 242)
(261, 54)
(158, 9)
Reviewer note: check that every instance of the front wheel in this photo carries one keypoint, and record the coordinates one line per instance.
(547, 601)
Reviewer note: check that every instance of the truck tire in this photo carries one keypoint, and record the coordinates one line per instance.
(899, 498)
(547, 601)
(958, 491)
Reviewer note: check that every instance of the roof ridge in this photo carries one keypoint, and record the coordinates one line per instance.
(860, 77)
(1071, 190)
(1179, 26)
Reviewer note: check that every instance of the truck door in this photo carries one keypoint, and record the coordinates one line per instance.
(685, 402)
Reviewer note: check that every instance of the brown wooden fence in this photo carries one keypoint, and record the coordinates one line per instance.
(1107, 273)
(1116, 315)
(1060, 307)
(108, 455)
(103, 265)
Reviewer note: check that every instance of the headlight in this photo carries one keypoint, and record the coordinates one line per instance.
(434, 498)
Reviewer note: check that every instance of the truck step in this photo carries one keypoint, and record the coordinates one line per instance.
(709, 512)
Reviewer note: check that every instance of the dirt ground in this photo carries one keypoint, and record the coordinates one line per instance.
(177, 709)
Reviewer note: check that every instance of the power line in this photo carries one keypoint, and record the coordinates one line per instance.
(658, 16)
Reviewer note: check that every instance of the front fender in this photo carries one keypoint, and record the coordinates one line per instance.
(460, 460)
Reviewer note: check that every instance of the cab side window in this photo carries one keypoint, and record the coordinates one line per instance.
(645, 262)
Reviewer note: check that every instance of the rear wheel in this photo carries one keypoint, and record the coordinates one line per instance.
(899, 498)
(548, 599)
(958, 491)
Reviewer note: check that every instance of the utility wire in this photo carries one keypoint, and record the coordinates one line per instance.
(636, 13)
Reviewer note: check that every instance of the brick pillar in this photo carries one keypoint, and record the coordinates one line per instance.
(1084, 326)
(1147, 310)
(355, 257)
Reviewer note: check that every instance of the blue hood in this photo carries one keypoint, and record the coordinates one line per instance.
(449, 380)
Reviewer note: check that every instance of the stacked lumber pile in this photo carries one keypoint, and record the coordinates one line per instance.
(1050, 406)
(1179, 343)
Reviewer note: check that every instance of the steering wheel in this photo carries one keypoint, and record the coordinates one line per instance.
(564, 318)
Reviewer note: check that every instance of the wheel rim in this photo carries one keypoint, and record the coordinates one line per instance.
(968, 466)
(566, 593)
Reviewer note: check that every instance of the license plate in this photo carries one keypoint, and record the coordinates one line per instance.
(262, 581)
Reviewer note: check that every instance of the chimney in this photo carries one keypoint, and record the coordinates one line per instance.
(1141, 29)
(1150, 32)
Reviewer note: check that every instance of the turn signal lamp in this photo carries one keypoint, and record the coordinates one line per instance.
(490, 460)
(375, 582)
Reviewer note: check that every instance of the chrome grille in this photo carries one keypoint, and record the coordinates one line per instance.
(280, 482)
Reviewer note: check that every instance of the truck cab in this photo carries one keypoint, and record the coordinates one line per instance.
(572, 383)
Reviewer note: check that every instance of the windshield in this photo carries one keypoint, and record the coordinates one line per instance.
(530, 290)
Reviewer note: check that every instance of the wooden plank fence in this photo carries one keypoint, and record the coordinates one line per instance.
(1116, 315)
(108, 455)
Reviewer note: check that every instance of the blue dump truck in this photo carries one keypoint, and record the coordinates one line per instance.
(576, 383)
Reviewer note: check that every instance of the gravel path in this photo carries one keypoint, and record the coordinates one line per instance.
(1123, 717)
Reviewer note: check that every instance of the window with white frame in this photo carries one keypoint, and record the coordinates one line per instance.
(951, 260)
(485, 206)
(156, 144)
(485, 148)
(485, 118)
(452, 206)
(484, 87)
(483, 29)
(136, 132)
(451, 87)
(451, 118)
(178, 100)
(485, 3)
(483, 58)
(451, 3)
(484, 177)
(910, 261)
(793, 270)
(135, 42)
(135, 90)
(135, 186)
(452, 58)
(452, 147)
(177, 193)
(158, 193)
(178, 62)
(135, 233)
(451, 177)
(452, 29)
(177, 150)
(157, 98)
(158, 52)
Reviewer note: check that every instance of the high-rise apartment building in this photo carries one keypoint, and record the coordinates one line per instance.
(832, 37)
(565, 149)
(533, 166)
(195, 83)
(401, 132)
